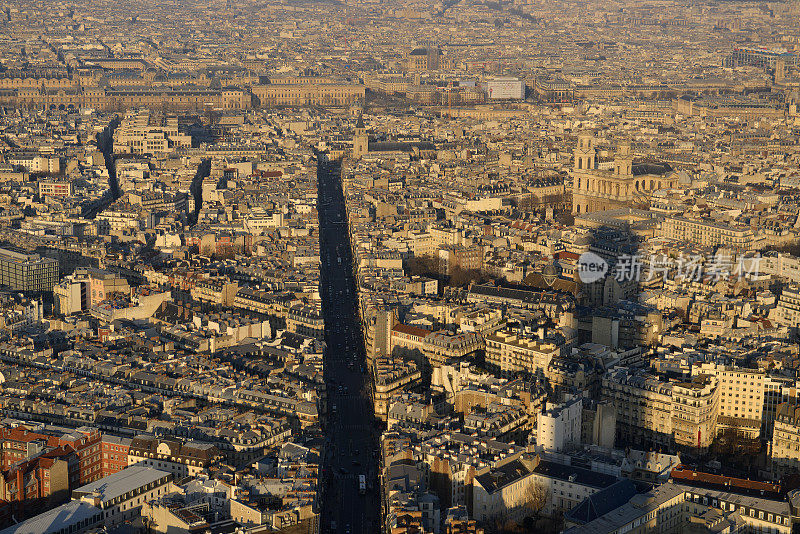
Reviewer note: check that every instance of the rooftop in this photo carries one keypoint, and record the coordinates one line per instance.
(120, 483)
(60, 519)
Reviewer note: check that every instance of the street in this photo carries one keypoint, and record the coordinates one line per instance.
(351, 435)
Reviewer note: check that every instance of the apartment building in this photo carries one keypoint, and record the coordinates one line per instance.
(422, 244)
(511, 352)
(741, 398)
(623, 325)
(559, 426)
(262, 302)
(675, 507)
(502, 491)
(566, 486)
(22, 271)
(695, 409)
(459, 522)
(784, 266)
(776, 392)
(484, 320)
(451, 461)
(36, 484)
(575, 373)
(408, 338)
(179, 458)
(446, 348)
(115, 454)
(553, 304)
(20, 443)
(55, 188)
(36, 163)
(120, 217)
(87, 287)
(220, 292)
(143, 133)
(787, 312)
(708, 233)
(691, 413)
(453, 258)
(305, 320)
(786, 440)
(392, 376)
(644, 408)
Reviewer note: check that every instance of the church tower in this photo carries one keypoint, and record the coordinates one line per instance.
(623, 161)
(585, 152)
(360, 139)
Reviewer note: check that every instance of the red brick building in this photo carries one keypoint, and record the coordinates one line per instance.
(38, 484)
(85, 443)
(115, 454)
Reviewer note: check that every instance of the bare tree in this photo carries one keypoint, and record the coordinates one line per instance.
(535, 497)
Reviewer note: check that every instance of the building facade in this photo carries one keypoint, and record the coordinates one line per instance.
(625, 184)
(27, 272)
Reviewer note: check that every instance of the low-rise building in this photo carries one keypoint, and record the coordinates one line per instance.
(122, 494)
(179, 458)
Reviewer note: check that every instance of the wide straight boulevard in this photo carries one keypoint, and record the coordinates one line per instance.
(349, 506)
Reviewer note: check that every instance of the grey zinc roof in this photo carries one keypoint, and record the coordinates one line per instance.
(120, 483)
(57, 519)
(602, 502)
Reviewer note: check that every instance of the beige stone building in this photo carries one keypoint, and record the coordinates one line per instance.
(509, 352)
(144, 133)
(305, 93)
(695, 408)
(625, 184)
(644, 408)
(786, 440)
(305, 320)
(161, 98)
(708, 233)
(392, 376)
(179, 458)
(219, 292)
(686, 414)
(741, 398)
(83, 89)
(675, 508)
(445, 348)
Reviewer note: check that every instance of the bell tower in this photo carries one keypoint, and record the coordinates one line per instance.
(623, 162)
(360, 139)
(585, 153)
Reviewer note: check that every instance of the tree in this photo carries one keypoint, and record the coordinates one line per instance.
(422, 266)
(535, 497)
(530, 503)
(462, 278)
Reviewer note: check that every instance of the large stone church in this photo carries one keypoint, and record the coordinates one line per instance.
(623, 183)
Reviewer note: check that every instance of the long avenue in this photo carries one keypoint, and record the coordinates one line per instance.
(349, 476)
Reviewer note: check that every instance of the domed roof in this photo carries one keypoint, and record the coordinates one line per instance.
(551, 272)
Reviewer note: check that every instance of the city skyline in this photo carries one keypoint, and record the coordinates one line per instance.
(417, 267)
